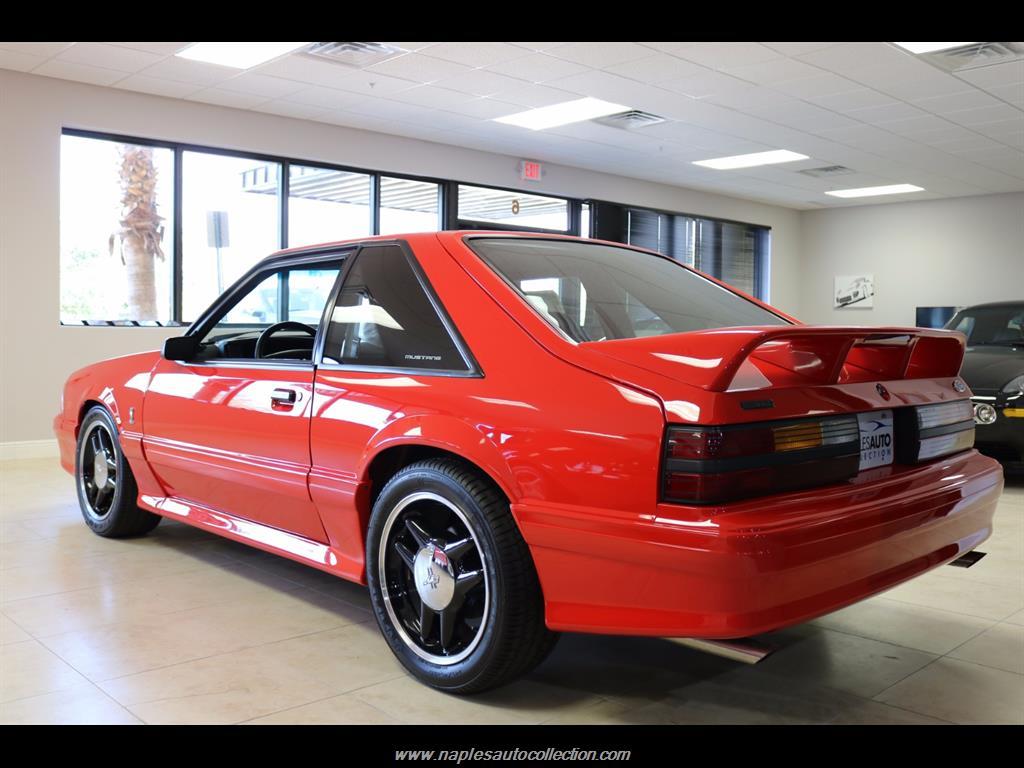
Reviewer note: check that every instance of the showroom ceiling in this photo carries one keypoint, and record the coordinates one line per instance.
(888, 116)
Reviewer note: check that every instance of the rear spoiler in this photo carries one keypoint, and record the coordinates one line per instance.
(726, 359)
(803, 355)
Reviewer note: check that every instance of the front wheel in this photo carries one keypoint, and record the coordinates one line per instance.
(451, 580)
(106, 485)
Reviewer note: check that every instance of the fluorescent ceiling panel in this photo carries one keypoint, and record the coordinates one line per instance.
(749, 161)
(237, 55)
(562, 114)
(891, 189)
(930, 47)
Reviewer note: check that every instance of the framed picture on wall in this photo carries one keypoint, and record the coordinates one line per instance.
(854, 291)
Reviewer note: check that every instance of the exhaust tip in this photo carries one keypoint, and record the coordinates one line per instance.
(968, 559)
(745, 650)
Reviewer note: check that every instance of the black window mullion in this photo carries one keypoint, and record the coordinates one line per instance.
(375, 204)
(177, 250)
(284, 190)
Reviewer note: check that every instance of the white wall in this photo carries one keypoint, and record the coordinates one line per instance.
(953, 252)
(36, 353)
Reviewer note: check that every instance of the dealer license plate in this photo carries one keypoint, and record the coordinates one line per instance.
(876, 439)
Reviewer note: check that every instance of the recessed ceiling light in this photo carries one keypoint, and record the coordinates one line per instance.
(930, 47)
(237, 55)
(891, 189)
(751, 160)
(562, 114)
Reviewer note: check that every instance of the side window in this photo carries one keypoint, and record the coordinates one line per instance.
(384, 317)
(296, 295)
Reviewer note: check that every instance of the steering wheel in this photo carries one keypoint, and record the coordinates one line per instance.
(287, 325)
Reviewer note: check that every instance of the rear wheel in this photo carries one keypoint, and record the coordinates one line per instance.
(106, 485)
(451, 580)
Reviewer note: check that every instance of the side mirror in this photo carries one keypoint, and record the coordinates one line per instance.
(180, 347)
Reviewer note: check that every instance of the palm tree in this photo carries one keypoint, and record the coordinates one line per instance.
(141, 234)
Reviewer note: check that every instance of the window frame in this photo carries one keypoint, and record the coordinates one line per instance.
(472, 367)
(256, 274)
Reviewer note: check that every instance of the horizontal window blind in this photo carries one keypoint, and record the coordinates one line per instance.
(733, 252)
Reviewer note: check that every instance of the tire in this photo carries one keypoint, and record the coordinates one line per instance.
(467, 551)
(110, 510)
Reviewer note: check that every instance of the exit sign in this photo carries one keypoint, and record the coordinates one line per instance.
(530, 171)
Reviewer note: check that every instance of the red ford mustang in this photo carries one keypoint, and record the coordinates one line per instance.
(506, 436)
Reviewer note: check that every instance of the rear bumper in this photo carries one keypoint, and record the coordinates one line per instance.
(756, 566)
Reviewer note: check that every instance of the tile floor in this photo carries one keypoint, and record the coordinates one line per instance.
(185, 627)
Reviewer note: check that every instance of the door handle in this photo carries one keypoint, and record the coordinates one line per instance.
(282, 396)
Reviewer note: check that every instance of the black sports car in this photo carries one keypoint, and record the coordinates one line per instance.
(994, 370)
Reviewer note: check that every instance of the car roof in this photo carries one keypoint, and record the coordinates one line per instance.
(309, 250)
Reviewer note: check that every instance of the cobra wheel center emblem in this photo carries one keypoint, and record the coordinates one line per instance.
(435, 577)
(99, 469)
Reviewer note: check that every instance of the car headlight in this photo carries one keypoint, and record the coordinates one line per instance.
(1015, 386)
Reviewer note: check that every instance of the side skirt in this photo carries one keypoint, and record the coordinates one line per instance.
(273, 540)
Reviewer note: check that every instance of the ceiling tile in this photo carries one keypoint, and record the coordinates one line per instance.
(329, 98)
(656, 69)
(930, 84)
(418, 68)
(286, 108)
(986, 115)
(306, 69)
(476, 54)
(480, 82)
(599, 54)
(262, 85)
(797, 49)
(705, 84)
(45, 50)
(485, 108)
(854, 60)
(108, 57)
(157, 87)
(1013, 94)
(533, 95)
(224, 98)
(915, 126)
(850, 101)
(161, 49)
(724, 55)
(954, 102)
(965, 144)
(21, 62)
(1009, 73)
(811, 88)
(188, 71)
(371, 83)
(431, 96)
(775, 71)
(385, 109)
(537, 68)
(886, 113)
(83, 73)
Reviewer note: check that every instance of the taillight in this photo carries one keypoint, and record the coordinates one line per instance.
(939, 430)
(706, 465)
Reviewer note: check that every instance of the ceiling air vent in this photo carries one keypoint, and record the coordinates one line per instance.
(827, 171)
(630, 119)
(354, 54)
(975, 55)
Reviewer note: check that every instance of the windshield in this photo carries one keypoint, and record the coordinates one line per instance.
(594, 292)
(991, 326)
